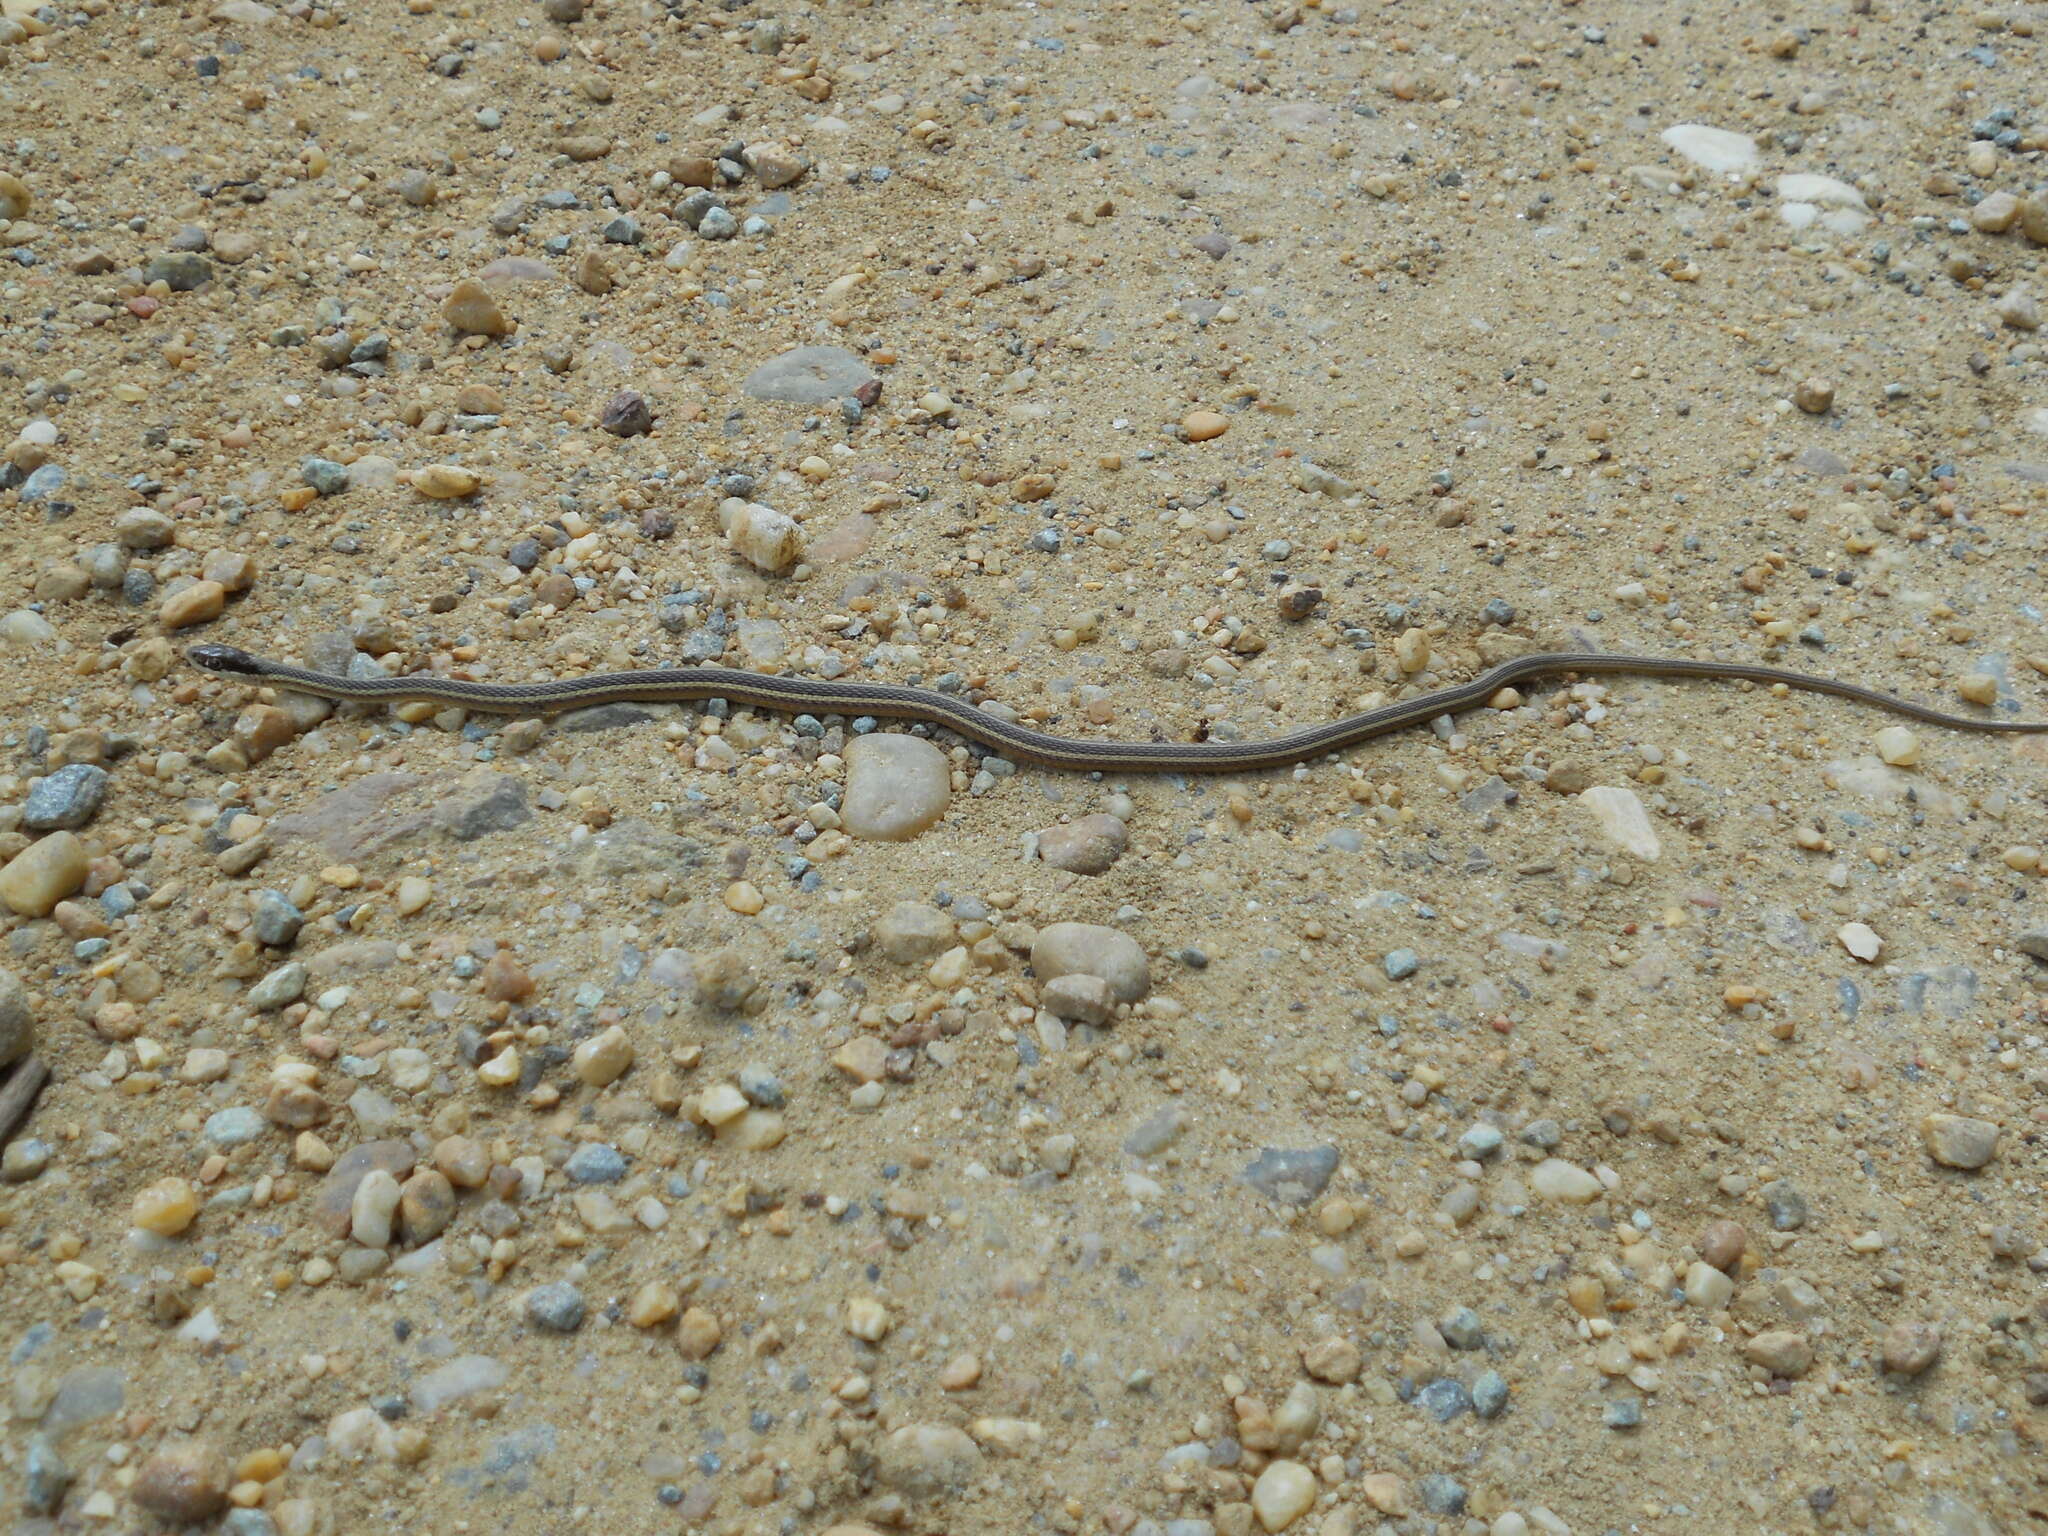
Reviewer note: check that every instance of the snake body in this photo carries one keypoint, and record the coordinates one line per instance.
(820, 696)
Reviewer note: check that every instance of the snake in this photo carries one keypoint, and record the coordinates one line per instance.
(821, 696)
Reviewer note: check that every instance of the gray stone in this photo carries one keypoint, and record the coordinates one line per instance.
(283, 986)
(627, 414)
(1480, 1141)
(1062, 949)
(44, 1477)
(808, 376)
(274, 920)
(1441, 1495)
(557, 1307)
(43, 482)
(1489, 1394)
(1462, 1329)
(1444, 1399)
(717, 224)
(1157, 1131)
(1292, 1176)
(494, 803)
(66, 799)
(17, 1020)
(325, 476)
(762, 1087)
(234, 1127)
(181, 271)
(2034, 943)
(1786, 1205)
(248, 1522)
(85, 1396)
(24, 1160)
(602, 717)
(1546, 1134)
(1401, 963)
(595, 1163)
(1622, 1413)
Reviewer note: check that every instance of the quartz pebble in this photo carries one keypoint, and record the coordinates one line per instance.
(1910, 1348)
(897, 785)
(166, 1207)
(1781, 1352)
(1898, 746)
(1860, 940)
(766, 539)
(1713, 149)
(1284, 1492)
(1623, 821)
(1567, 1183)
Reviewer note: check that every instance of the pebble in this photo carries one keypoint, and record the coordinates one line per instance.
(1084, 999)
(17, 1020)
(1958, 1141)
(627, 414)
(1910, 1348)
(1489, 1394)
(1781, 1352)
(1720, 150)
(464, 1376)
(1088, 845)
(185, 1481)
(1292, 1176)
(180, 271)
(1400, 964)
(1062, 949)
(25, 1159)
(166, 1207)
(1706, 1287)
(1860, 941)
(1441, 1494)
(766, 539)
(325, 476)
(595, 1163)
(1721, 1244)
(2033, 218)
(1785, 1205)
(373, 1208)
(1567, 1183)
(279, 988)
(446, 482)
(1201, 426)
(558, 1307)
(66, 799)
(1623, 821)
(43, 874)
(897, 785)
(809, 376)
(196, 603)
(235, 1126)
(274, 920)
(1898, 746)
(472, 310)
(913, 931)
(925, 1461)
(603, 1058)
(1815, 396)
(1284, 1492)
(44, 1477)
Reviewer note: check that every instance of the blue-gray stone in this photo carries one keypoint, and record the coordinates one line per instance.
(717, 224)
(1480, 1141)
(68, 798)
(181, 271)
(1622, 1413)
(248, 1522)
(595, 1163)
(557, 1307)
(1401, 963)
(1292, 1176)
(325, 476)
(1444, 1399)
(44, 1477)
(274, 920)
(761, 1087)
(1462, 1329)
(1441, 1495)
(235, 1127)
(42, 483)
(1489, 1394)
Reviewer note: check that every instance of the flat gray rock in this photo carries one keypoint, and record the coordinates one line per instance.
(808, 376)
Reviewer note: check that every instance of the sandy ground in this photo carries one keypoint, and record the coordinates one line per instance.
(1621, 1110)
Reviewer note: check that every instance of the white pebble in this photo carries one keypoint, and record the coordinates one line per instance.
(1623, 821)
(1860, 940)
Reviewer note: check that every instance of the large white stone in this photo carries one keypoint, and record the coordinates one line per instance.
(896, 786)
(1712, 149)
(1623, 821)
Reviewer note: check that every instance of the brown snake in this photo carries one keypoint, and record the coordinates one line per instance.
(819, 696)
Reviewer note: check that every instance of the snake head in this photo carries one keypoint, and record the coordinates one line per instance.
(224, 658)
